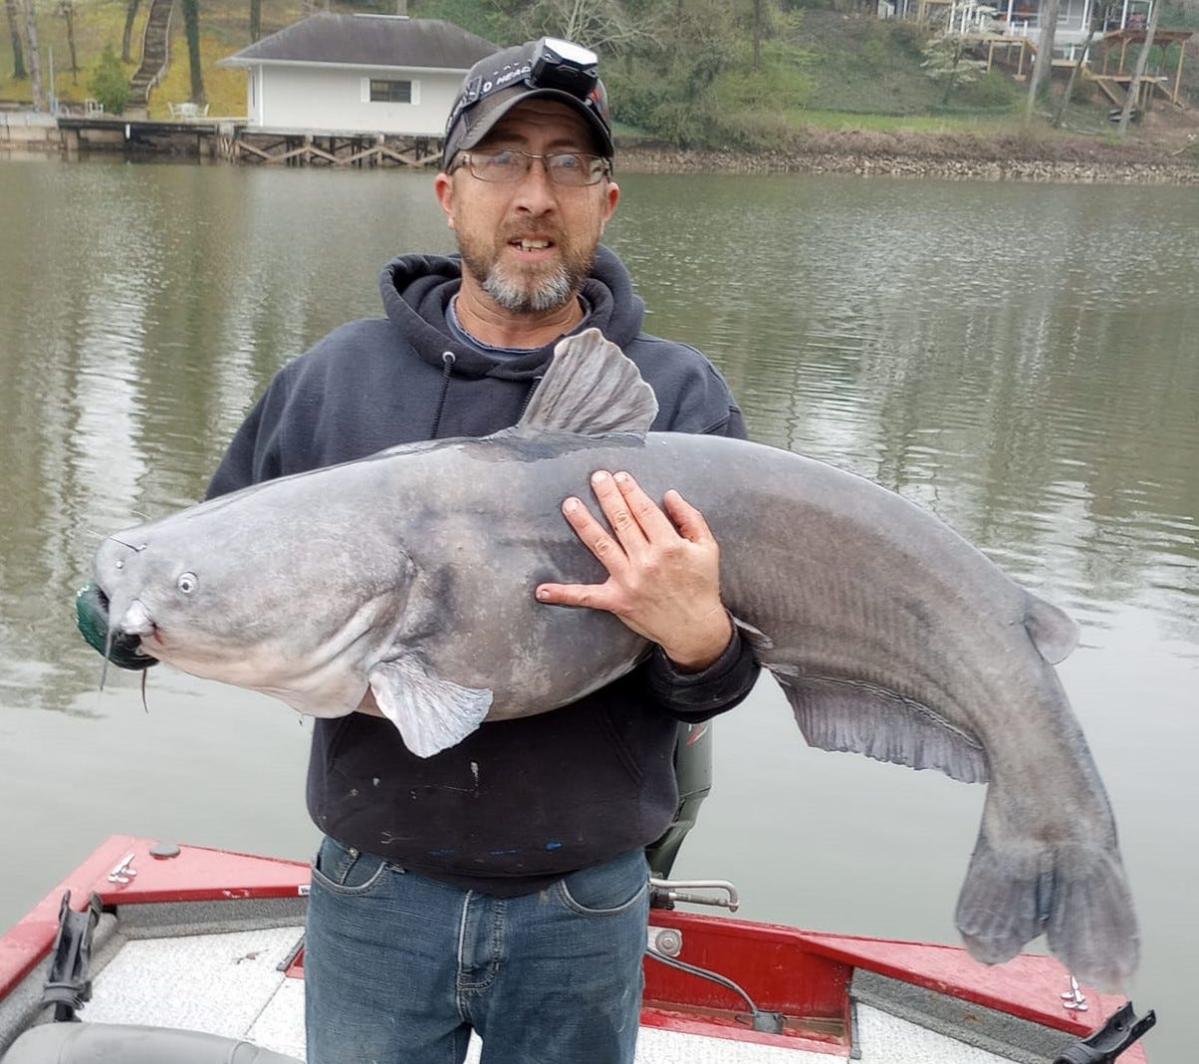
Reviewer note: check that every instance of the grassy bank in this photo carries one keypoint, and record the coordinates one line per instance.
(819, 72)
(97, 22)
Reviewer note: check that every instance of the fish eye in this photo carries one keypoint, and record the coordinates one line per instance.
(187, 583)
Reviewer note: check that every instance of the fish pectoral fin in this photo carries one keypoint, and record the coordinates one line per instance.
(591, 388)
(845, 715)
(1051, 630)
(431, 714)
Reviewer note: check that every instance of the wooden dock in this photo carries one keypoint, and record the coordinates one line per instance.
(109, 132)
(290, 147)
(232, 140)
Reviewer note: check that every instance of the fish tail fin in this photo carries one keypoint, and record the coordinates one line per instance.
(1075, 891)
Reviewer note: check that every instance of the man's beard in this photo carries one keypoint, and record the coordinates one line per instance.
(521, 292)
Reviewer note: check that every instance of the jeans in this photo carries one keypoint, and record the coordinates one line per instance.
(399, 968)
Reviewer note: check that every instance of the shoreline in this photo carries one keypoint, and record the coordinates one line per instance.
(952, 157)
(1036, 159)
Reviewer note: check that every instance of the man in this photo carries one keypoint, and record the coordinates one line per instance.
(501, 885)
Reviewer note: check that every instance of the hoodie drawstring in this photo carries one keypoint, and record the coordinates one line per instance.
(447, 364)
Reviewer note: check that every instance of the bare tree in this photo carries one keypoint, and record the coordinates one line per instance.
(255, 20)
(66, 8)
(1134, 87)
(35, 61)
(14, 31)
(604, 25)
(1042, 70)
(130, 15)
(191, 25)
(758, 19)
(1074, 72)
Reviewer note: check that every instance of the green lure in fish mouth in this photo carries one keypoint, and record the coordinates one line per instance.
(91, 617)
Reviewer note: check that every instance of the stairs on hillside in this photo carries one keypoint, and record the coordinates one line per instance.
(155, 52)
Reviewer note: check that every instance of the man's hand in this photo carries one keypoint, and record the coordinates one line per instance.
(663, 570)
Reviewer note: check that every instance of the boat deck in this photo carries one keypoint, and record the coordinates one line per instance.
(211, 942)
(236, 985)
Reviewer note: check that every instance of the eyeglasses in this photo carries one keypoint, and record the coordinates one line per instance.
(571, 169)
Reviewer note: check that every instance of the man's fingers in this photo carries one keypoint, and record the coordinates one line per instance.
(594, 536)
(593, 596)
(687, 519)
(616, 509)
(649, 515)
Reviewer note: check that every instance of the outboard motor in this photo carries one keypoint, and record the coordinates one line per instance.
(693, 773)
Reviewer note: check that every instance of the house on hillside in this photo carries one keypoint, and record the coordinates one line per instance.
(1022, 18)
(1074, 18)
(368, 74)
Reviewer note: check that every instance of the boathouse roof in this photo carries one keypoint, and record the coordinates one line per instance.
(368, 40)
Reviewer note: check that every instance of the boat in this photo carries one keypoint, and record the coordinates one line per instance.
(175, 954)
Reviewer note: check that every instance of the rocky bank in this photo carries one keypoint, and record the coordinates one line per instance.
(1008, 157)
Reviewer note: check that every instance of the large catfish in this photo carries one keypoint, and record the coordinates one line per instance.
(412, 573)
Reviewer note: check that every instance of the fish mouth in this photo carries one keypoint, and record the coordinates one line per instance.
(92, 620)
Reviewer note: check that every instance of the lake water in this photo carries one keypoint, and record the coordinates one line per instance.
(1022, 360)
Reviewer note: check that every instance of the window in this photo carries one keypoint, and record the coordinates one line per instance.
(390, 91)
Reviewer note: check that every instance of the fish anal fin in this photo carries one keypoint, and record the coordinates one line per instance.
(431, 714)
(591, 388)
(1052, 631)
(845, 715)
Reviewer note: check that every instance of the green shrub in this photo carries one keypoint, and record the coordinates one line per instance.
(780, 83)
(911, 37)
(994, 90)
(108, 83)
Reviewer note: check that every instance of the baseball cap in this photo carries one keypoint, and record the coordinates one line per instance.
(549, 68)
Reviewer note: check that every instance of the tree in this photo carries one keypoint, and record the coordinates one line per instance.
(1042, 70)
(14, 31)
(191, 23)
(945, 60)
(604, 25)
(255, 20)
(130, 15)
(66, 8)
(758, 19)
(108, 84)
(1134, 87)
(1074, 71)
(35, 61)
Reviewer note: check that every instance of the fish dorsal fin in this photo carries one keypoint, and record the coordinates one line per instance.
(1053, 633)
(591, 388)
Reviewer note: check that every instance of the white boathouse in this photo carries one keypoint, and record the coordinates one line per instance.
(357, 74)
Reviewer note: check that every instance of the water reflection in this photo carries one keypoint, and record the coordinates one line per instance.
(1020, 360)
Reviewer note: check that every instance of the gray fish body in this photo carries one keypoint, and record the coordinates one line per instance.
(413, 572)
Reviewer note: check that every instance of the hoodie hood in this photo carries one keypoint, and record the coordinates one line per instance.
(417, 290)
